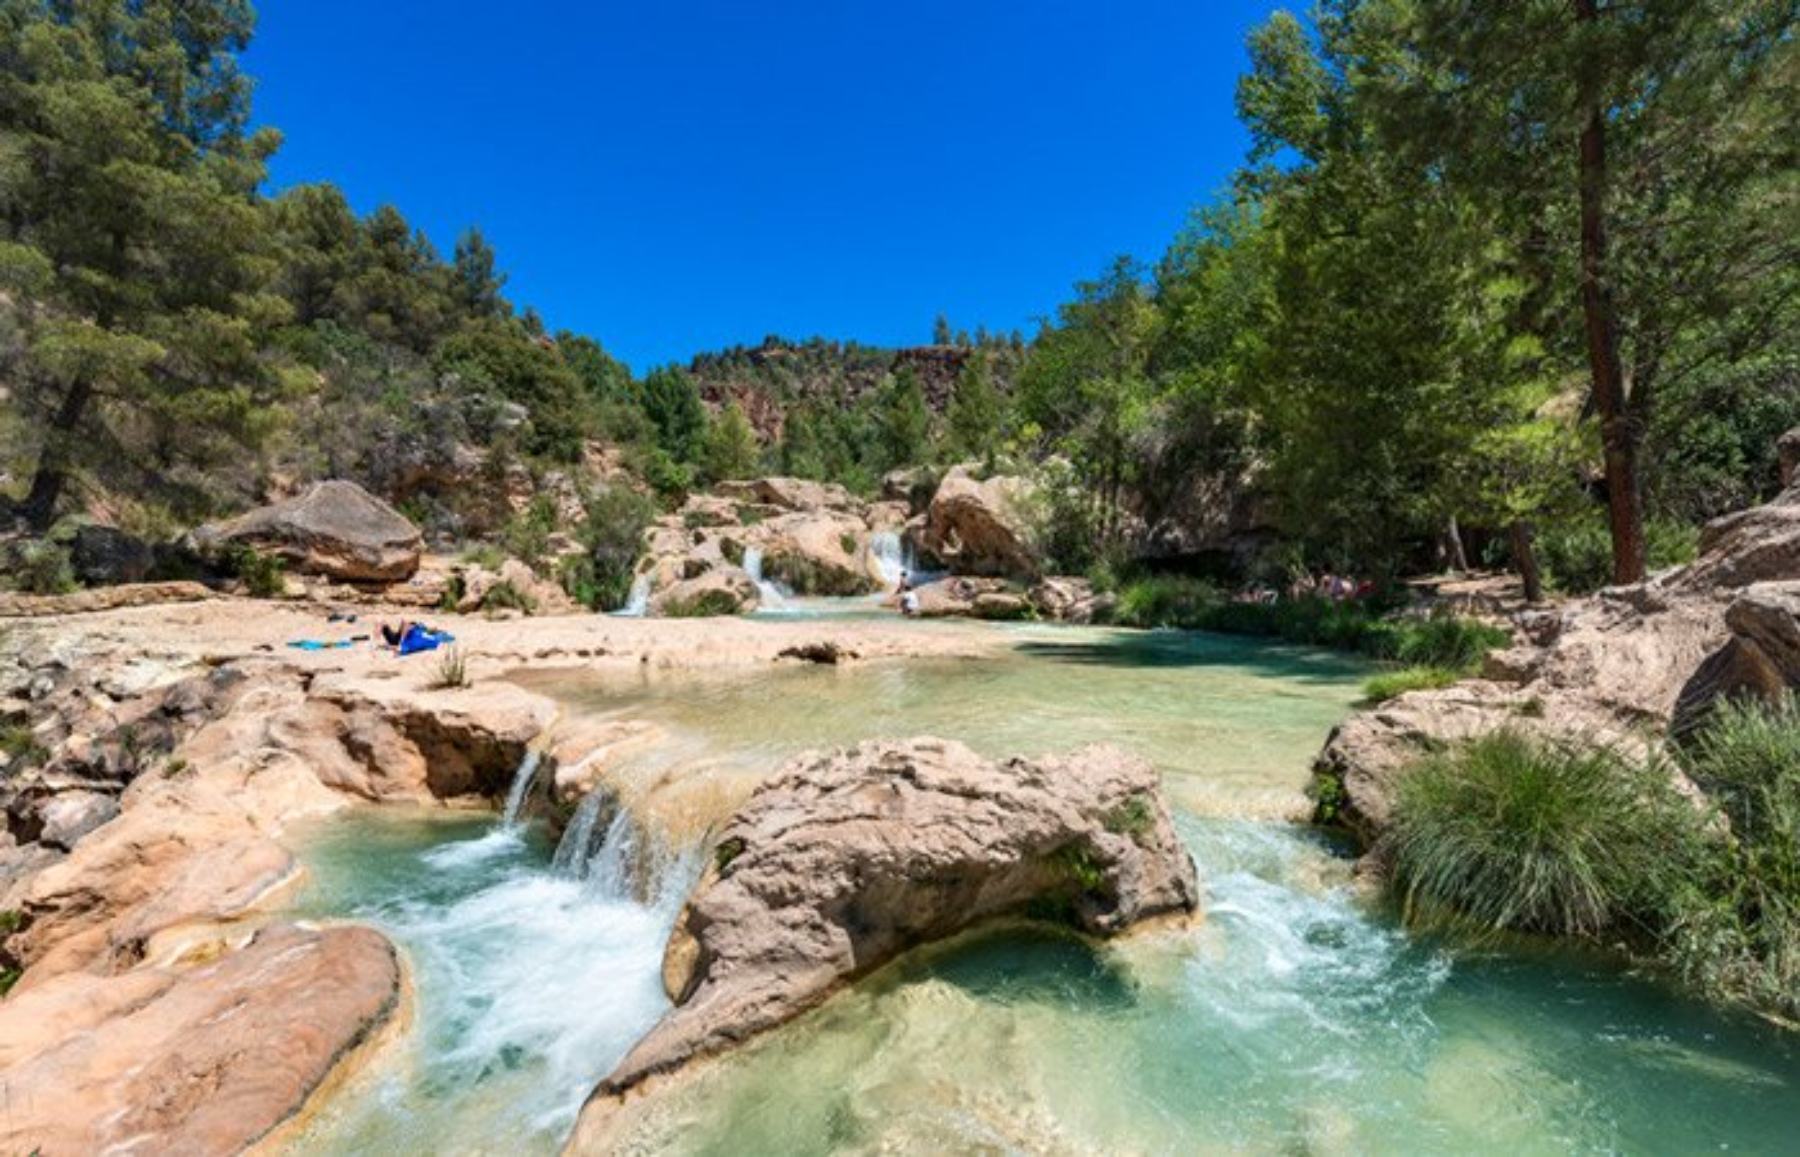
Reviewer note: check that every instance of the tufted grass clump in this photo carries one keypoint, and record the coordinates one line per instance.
(1389, 684)
(1514, 833)
(1734, 931)
(452, 671)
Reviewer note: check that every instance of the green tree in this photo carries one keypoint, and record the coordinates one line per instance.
(128, 220)
(976, 411)
(731, 449)
(477, 278)
(905, 422)
(1643, 150)
(675, 410)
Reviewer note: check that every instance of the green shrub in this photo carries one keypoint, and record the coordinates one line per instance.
(1734, 932)
(42, 568)
(8, 978)
(11, 920)
(485, 555)
(1512, 832)
(1445, 641)
(1167, 601)
(1576, 553)
(613, 537)
(264, 575)
(1132, 818)
(1381, 688)
(504, 596)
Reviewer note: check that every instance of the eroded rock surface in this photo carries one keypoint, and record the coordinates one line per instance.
(198, 1060)
(978, 526)
(844, 860)
(1627, 667)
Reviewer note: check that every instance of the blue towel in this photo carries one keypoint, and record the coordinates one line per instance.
(419, 638)
(316, 645)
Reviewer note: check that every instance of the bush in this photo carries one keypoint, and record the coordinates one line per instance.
(1576, 554)
(503, 596)
(264, 575)
(1167, 601)
(613, 535)
(1734, 933)
(1508, 832)
(1444, 641)
(42, 568)
(1381, 688)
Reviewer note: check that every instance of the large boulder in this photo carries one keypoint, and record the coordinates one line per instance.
(336, 529)
(203, 1060)
(979, 526)
(104, 556)
(721, 590)
(844, 860)
(817, 553)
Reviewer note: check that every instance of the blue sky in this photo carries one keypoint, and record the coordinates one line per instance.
(672, 177)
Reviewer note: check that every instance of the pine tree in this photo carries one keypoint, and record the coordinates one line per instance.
(128, 220)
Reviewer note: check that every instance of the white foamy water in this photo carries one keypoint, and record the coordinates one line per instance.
(637, 603)
(774, 595)
(530, 985)
(521, 787)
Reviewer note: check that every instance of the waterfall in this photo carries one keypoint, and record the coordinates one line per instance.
(772, 594)
(607, 849)
(637, 604)
(890, 558)
(521, 786)
(594, 815)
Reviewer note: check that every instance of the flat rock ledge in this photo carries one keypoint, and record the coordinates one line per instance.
(847, 859)
(206, 1060)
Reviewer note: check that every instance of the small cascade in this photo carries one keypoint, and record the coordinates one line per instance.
(637, 603)
(772, 594)
(616, 859)
(889, 553)
(589, 824)
(521, 787)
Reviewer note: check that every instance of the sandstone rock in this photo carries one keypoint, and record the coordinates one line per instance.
(913, 488)
(70, 815)
(1756, 545)
(792, 494)
(978, 527)
(1787, 452)
(1071, 600)
(723, 590)
(336, 528)
(1001, 606)
(512, 584)
(13, 605)
(205, 1060)
(1766, 617)
(957, 596)
(845, 860)
(817, 553)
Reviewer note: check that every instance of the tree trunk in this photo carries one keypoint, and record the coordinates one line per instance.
(1458, 557)
(1620, 431)
(1524, 553)
(53, 460)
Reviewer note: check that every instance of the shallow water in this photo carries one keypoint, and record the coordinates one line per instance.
(1292, 1020)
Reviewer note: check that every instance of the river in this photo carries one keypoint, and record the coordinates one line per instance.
(1297, 1017)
